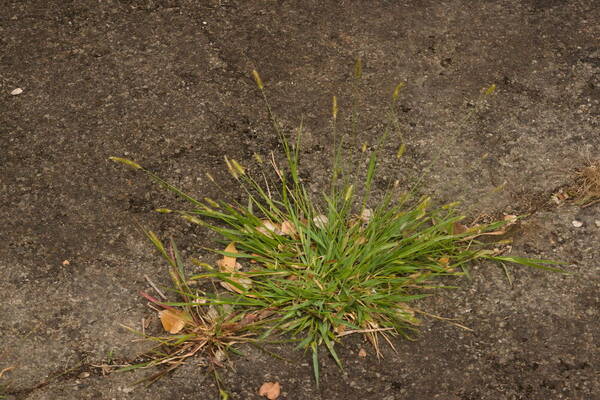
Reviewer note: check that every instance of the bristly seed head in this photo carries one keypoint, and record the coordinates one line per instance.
(193, 219)
(349, 192)
(234, 168)
(211, 202)
(126, 162)
(238, 168)
(397, 89)
(358, 68)
(401, 150)
(334, 108)
(257, 79)
(490, 90)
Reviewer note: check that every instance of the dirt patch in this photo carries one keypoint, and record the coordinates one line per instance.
(167, 83)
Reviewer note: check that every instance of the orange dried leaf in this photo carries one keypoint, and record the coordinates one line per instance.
(227, 263)
(270, 390)
(340, 329)
(459, 228)
(287, 228)
(172, 321)
(362, 353)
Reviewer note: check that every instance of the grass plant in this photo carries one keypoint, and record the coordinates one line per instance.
(318, 268)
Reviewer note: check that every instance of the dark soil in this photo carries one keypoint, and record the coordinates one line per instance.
(167, 83)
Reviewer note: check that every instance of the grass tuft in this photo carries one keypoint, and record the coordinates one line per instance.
(319, 268)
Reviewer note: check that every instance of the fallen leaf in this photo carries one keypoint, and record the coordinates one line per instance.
(320, 221)
(220, 355)
(227, 263)
(269, 227)
(287, 228)
(560, 197)
(172, 320)
(16, 91)
(212, 314)
(340, 329)
(362, 353)
(366, 215)
(270, 390)
(459, 228)
(444, 261)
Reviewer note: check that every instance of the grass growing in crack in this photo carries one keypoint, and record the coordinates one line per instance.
(322, 268)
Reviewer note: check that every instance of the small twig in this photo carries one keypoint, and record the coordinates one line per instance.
(346, 333)
(155, 300)
(590, 204)
(449, 320)
(6, 370)
(155, 288)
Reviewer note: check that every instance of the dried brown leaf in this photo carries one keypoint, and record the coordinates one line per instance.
(173, 321)
(287, 228)
(268, 228)
(227, 263)
(230, 265)
(320, 221)
(444, 261)
(270, 390)
(340, 329)
(459, 228)
(366, 215)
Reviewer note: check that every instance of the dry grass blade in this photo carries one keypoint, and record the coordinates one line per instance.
(586, 187)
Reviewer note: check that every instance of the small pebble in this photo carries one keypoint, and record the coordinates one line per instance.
(83, 375)
(597, 222)
(577, 224)
(17, 91)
